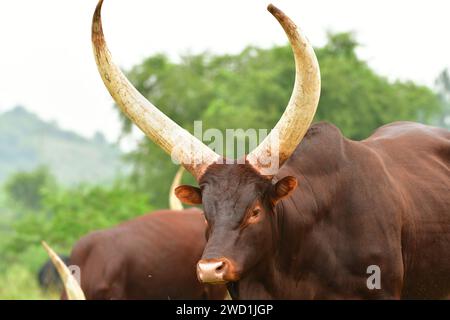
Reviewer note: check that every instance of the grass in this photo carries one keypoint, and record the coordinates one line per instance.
(18, 283)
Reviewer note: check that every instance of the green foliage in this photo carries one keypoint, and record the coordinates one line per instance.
(358, 101)
(251, 90)
(65, 214)
(26, 189)
(68, 214)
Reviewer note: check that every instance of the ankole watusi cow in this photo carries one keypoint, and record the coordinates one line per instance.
(150, 257)
(335, 209)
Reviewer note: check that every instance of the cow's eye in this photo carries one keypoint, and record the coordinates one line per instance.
(254, 216)
(256, 212)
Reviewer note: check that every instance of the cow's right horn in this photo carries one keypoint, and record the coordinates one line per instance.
(71, 285)
(180, 144)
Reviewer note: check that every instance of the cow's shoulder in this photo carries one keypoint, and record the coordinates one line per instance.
(324, 149)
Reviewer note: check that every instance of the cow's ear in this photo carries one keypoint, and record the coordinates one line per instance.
(283, 188)
(189, 195)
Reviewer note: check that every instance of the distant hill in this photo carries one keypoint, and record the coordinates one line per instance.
(26, 141)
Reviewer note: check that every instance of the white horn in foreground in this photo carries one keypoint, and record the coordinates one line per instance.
(299, 113)
(174, 202)
(177, 142)
(71, 285)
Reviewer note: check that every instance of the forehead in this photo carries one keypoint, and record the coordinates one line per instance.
(232, 184)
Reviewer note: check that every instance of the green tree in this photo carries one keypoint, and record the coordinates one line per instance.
(68, 214)
(65, 216)
(26, 189)
(251, 90)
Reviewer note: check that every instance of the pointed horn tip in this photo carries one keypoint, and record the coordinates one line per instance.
(272, 9)
(52, 254)
(98, 9)
(45, 245)
(97, 31)
(277, 13)
(97, 12)
(49, 250)
(288, 25)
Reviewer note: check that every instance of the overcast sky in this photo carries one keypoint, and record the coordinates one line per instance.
(46, 61)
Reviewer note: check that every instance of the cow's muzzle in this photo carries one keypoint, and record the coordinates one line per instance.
(216, 271)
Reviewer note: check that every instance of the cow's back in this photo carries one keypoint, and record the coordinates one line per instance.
(150, 257)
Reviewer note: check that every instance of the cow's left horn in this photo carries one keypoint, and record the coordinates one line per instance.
(299, 113)
(71, 285)
(180, 144)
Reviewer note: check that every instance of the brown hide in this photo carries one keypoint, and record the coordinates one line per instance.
(150, 257)
(383, 201)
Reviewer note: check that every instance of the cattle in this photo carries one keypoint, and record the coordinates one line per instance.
(332, 219)
(48, 277)
(149, 257)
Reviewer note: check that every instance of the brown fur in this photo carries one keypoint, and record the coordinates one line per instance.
(383, 201)
(149, 257)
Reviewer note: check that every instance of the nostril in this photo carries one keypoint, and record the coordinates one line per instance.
(220, 267)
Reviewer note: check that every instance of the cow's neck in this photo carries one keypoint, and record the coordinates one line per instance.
(294, 270)
(278, 275)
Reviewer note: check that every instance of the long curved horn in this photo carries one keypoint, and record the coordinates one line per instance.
(174, 202)
(299, 113)
(73, 289)
(180, 144)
